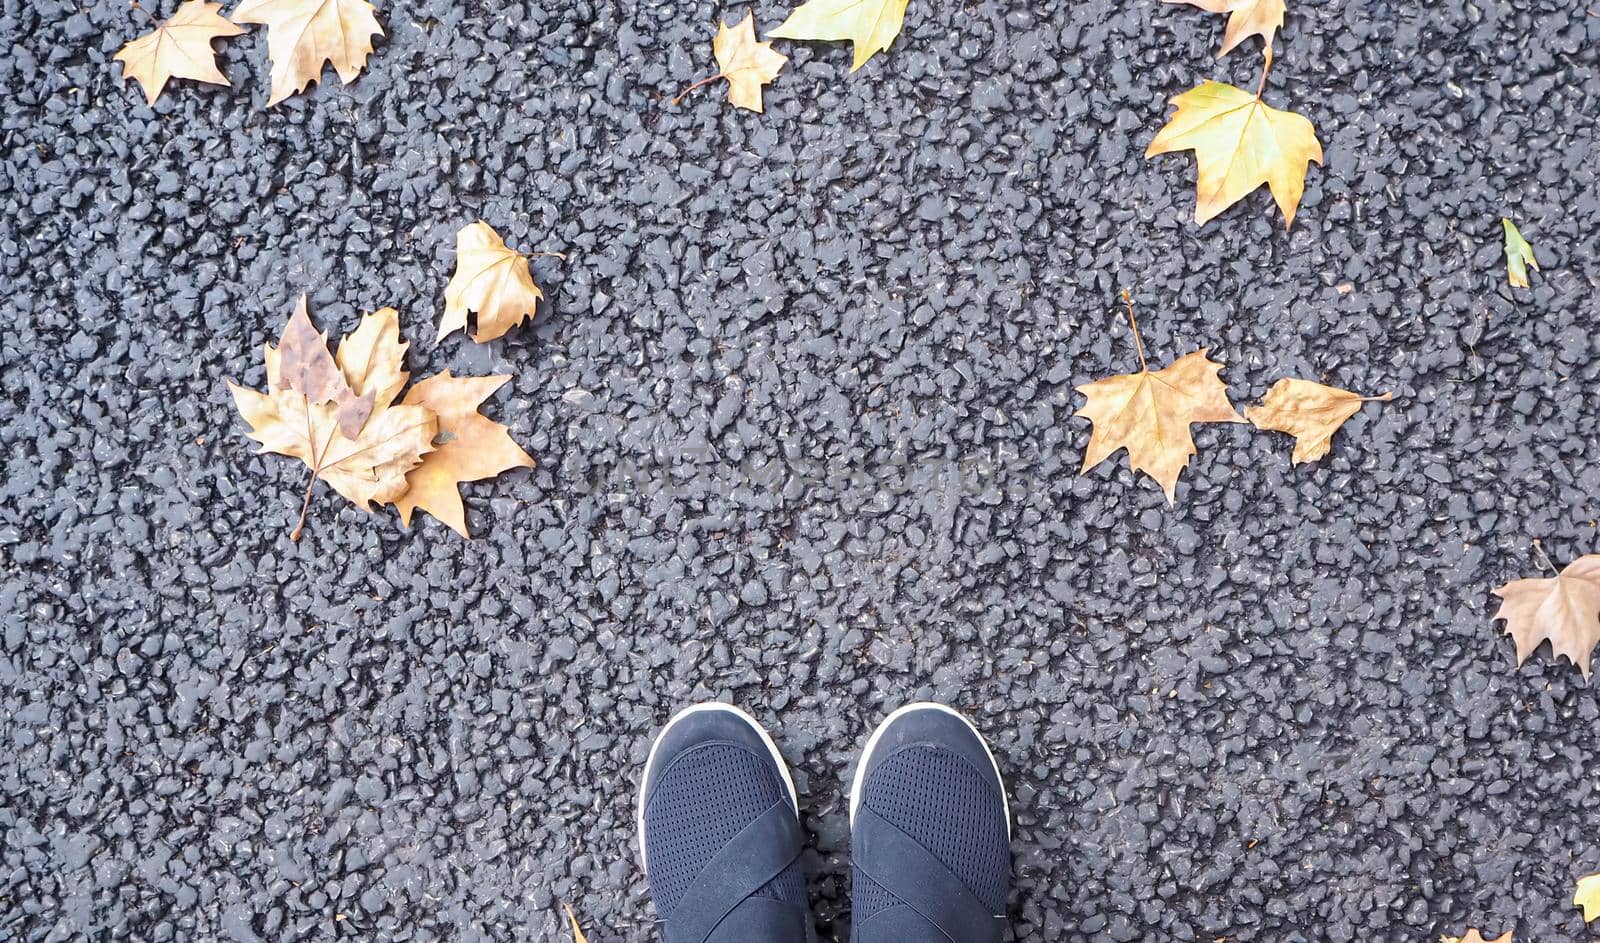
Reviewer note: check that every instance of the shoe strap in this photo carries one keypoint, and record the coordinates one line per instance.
(921, 881)
(752, 858)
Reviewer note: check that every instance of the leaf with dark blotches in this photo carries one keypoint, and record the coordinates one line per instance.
(367, 466)
(301, 362)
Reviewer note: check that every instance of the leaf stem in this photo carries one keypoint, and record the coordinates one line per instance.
(1539, 546)
(559, 255)
(1265, 68)
(147, 14)
(705, 81)
(1133, 322)
(1380, 398)
(305, 504)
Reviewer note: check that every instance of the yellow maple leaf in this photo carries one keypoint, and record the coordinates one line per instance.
(491, 279)
(367, 466)
(745, 63)
(1246, 18)
(1564, 609)
(303, 35)
(871, 25)
(1149, 413)
(1239, 143)
(469, 447)
(1311, 412)
(1588, 897)
(180, 48)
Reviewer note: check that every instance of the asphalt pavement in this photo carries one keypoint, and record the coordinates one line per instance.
(802, 407)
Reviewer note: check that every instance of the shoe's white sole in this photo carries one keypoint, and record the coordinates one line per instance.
(872, 744)
(649, 764)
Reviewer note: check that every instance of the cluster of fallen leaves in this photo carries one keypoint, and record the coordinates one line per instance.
(1149, 413)
(302, 37)
(337, 413)
(748, 64)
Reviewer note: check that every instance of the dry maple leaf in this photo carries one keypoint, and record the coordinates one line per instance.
(1149, 413)
(302, 363)
(303, 35)
(1519, 255)
(1246, 18)
(1310, 412)
(577, 932)
(745, 63)
(1473, 936)
(1239, 143)
(180, 48)
(369, 466)
(469, 447)
(871, 25)
(1588, 897)
(490, 279)
(1564, 609)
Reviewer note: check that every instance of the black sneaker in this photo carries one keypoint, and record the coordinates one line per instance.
(719, 832)
(931, 834)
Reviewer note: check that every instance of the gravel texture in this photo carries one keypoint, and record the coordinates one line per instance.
(802, 406)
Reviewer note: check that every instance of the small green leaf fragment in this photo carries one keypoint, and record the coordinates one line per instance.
(1519, 255)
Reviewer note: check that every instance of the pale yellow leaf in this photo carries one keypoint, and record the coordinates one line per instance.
(492, 280)
(1239, 143)
(305, 35)
(745, 63)
(180, 48)
(1588, 897)
(871, 25)
(1564, 610)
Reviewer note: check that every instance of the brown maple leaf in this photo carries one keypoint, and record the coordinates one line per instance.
(1473, 936)
(1246, 18)
(469, 447)
(302, 362)
(491, 279)
(1310, 412)
(1565, 609)
(368, 466)
(303, 35)
(1149, 413)
(745, 63)
(180, 48)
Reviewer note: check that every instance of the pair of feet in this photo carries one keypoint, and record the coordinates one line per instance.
(929, 825)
